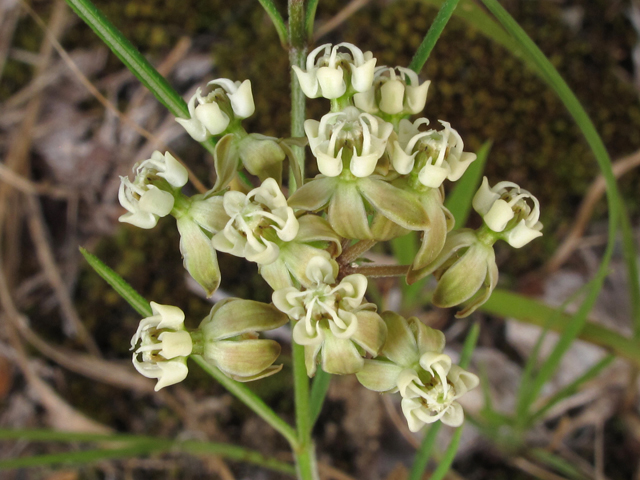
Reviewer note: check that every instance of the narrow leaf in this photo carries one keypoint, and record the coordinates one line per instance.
(277, 20)
(125, 290)
(449, 455)
(319, 389)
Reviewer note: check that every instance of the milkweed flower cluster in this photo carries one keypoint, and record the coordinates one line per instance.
(382, 175)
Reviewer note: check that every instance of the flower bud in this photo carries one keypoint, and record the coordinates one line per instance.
(505, 210)
(164, 346)
(333, 73)
(230, 340)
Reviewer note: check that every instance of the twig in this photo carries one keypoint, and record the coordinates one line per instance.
(45, 255)
(535, 470)
(589, 202)
(355, 251)
(377, 271)
(339, 18)
(31, 188)
(103, 100)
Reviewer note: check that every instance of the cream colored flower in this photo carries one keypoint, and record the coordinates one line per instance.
(145, 202)
(505, 208)
(331, 73)
(211, 113)
(350, 136)
(436, 155)
(392, 94)
(164, 346)
(253, 218)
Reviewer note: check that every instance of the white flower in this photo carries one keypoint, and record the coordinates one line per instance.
(335, 304)
(214, 111)
(392, 94)
(145, 202)
(325, 74)
(505, 209)
(164, 346)
(437, 154)
(252, 218)
(349, 133)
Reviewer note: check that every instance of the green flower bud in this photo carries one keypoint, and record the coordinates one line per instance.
(230, 340)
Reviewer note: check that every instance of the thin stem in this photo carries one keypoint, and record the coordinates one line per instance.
(277, 20)
(319, 389)
(297, 55)
(354, 252)
(251, 400)
(430, 39)
(378, 271)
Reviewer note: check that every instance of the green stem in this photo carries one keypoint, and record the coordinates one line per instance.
(306, 466)
(430, 39)
(251, 400)
(312, 5)
(378, 271)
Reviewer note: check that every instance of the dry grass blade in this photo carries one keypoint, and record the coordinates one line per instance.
(591, 199)
(339, 18)
(39, 235)
(535, 470)
(103, 100)
(24, 185)
(62, 416)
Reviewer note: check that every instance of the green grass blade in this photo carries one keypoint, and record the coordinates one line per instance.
(449, 455)
(459, 200)
(525, 398)
(125, 290)
(572, 388)
(558, 463)
(319, 389)
(513, 305)
(424, 452)
(469, 345)
(57, 436)
(277, 20)
(633, 276)
(617, 212)
(434, 32)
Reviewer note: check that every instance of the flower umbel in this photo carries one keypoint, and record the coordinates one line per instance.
(331, 317)
(348, 137)
(258, 221)
(164, 346)
(332, 73)
(212, 111)
(435, 155)
(150, 195)
(392, 95)
(505, 210)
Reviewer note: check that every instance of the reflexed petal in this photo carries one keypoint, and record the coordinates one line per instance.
(276, 274)
(267, 372)
(235, 317)
(434, 237)
(379, 376)
(194, 128)
(453, 416)
(156, 201)
(371, 333)
(331, 82)
(428, 339)
(347, 214)
(340, 356)
(308, 81)
(209, 213)
(242, 100)
(313, 228)
(384, 229)
(400, 347)
(311, 358)
(315, 195)
(399, 206)
(484, 293)
(199, 256)
(213, 119)
(242, 358)
(261, 156)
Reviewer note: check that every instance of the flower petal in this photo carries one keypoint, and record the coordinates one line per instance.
(242, 358)
(347, 214)
(400, 346)
(379, 375)
(198, 255)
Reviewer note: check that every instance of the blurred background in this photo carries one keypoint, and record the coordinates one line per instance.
(73, 119)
